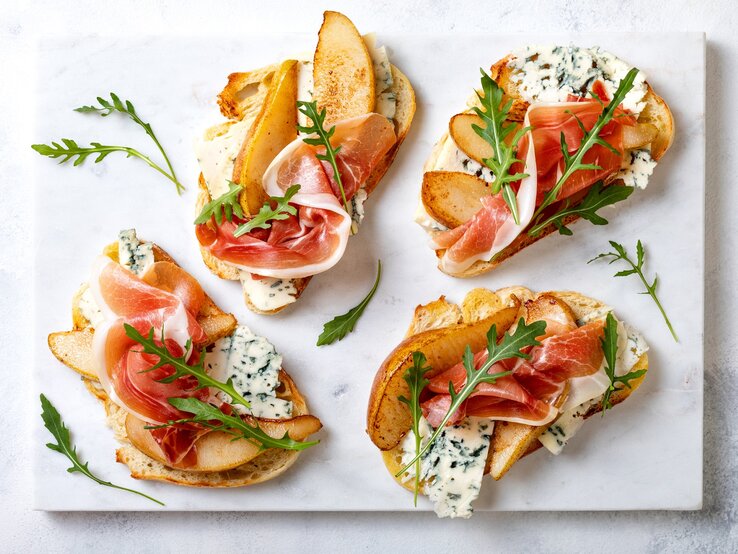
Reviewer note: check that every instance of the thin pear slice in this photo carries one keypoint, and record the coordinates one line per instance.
(217, 451)
(273, 129)
(343, 72)
(468, 141)
(388, 419)
(452, 197)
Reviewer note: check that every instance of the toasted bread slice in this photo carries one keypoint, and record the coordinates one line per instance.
(243, 96)
(141, 453)
(387, 423)
(656, 113)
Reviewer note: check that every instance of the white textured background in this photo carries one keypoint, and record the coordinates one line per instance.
(712, 530)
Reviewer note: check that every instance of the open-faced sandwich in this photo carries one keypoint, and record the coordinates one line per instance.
(555, 134)
(194, 398)
(283, 182)
(473, 388)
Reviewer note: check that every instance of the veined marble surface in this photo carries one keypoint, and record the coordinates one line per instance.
(710, 530)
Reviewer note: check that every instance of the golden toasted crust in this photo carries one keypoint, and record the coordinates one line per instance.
(244, 93)
(510, 441)
(656, 113)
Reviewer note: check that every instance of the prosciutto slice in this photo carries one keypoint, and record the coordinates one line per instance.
(529, 393)
(167, 299)
(493, 228)
(313, 240)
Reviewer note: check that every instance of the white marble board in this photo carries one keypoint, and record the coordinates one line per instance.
(644, 455)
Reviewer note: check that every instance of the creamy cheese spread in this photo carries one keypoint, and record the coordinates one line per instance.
(268, 293)
(217, 151)
(385, 100)
(252, 364)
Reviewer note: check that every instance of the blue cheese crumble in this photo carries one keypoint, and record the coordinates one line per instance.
(253, 365)
(637, 167)
(551, 73)
(453, 467)
(132, 254)
(357, 206)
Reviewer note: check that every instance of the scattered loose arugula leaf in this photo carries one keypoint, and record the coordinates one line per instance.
(181, 367)
(494, 114)
(54, 423)
(69, 149)
(511, 346)
(636, 269)
(610, 347)
(598, 197)
(416, 381)
(573, 162)
(204, 414)
(226, 203)
(266, 214)
(341, 325)
(310, 110)
(116, 104)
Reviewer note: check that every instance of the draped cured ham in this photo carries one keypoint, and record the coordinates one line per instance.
(167, 300)
(493, 228)
(530, 393)
(314, 239)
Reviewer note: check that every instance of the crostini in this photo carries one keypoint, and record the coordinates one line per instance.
(492, 380)
(331, 125)
(597, 129)
(194, 398)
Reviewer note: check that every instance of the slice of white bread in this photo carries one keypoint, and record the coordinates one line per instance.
(388, 420)
(74, 349)
(244, 98)
(656, 113)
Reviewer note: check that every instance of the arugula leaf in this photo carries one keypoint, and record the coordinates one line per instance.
(310, 110)
(267, 213)
(117, 105)
(416, 381)
(511, 346)
(341, 325)
(573, 162)
(494, 114)
(226, 202)
(636, 269)
(598, 197)
(610, 348)
(181, 367)
(54, 423)
(204, 414)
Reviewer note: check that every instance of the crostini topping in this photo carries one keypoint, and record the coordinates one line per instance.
(531, 386)
(570, 146)
(477, 371)
(314, 239)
